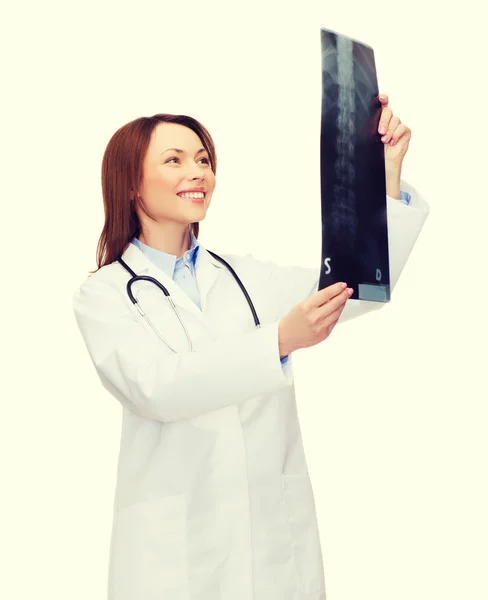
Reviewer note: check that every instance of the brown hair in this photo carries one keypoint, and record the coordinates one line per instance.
(122, 176)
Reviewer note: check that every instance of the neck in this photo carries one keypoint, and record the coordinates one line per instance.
(171, 238)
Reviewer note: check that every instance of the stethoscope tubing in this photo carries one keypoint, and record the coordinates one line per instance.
(135, 278)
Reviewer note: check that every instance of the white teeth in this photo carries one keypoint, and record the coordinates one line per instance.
(193, 195)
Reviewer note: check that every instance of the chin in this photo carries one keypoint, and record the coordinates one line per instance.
(198, 213)
(198, 219)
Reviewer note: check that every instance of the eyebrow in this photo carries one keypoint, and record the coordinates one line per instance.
(180, 151)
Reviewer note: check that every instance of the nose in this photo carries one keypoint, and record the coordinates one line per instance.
(197, 173)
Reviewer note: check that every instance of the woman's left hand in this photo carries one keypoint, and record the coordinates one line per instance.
(395, 136)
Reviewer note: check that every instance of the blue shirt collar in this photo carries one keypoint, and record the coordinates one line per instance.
(168, 262)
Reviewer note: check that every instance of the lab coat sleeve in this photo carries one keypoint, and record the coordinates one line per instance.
(145, 377)
(405, 221)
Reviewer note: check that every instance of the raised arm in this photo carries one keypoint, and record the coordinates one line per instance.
(293, 283)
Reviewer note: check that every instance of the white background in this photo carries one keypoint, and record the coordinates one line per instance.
(393, 406)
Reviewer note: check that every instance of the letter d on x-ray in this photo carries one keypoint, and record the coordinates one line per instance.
(327, 264)
(378, 275)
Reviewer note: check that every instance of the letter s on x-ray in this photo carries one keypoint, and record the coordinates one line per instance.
(327, 265)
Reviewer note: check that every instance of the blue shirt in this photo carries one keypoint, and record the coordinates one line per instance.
(182, 270)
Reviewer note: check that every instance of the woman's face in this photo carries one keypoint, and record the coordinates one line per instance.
(169, 172)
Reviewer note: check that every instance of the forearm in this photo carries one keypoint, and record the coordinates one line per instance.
(393, 176)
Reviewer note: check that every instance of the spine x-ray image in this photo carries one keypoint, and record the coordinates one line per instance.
(353, 187)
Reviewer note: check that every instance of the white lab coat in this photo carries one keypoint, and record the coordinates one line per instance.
(213, 498)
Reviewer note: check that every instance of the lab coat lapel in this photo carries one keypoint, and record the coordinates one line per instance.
(207, 270)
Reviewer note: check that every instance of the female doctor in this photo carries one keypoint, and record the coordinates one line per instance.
(213, 499)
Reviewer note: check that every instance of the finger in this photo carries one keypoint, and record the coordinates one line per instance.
(336, 315)
(322, 312)
(324, 295)
(383, 98)
(386, 115)
(399, 133)
(331, 321)
(393, 124)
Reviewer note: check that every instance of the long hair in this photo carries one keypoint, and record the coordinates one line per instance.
(122, 176)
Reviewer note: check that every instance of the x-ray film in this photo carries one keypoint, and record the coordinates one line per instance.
(352, 171)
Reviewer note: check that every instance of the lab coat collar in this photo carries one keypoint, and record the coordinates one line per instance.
(167, 262)
(207, 270)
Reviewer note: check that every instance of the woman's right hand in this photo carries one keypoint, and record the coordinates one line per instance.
(312, 321)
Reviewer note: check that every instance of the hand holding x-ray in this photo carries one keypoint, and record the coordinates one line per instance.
(395, 136)
(312, 321)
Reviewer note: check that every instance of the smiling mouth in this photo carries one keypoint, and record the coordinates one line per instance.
(193, 195)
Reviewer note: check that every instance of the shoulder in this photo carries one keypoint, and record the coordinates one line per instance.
(281, 283)
(249, 266)
(104, 283)
(104, 276)
(271, 270)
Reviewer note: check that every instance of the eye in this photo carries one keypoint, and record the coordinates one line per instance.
(176, 158)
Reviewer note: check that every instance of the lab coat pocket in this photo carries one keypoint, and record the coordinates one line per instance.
(304, 533)
(149, 551)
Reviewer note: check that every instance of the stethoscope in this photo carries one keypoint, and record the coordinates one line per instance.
(134, 301)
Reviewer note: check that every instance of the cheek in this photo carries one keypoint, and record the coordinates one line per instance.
(211, 181)
(165, 183)
(159, 194)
